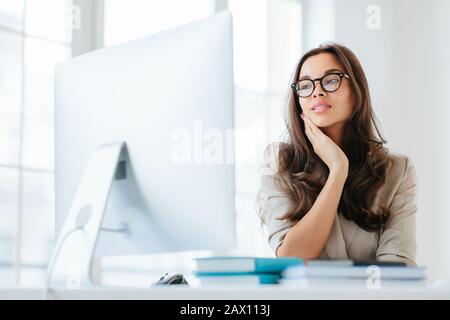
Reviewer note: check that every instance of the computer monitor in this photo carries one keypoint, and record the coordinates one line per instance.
(166, 102)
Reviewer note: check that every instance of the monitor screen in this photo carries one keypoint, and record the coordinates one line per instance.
(169, 98)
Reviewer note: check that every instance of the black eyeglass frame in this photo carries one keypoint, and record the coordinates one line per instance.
(340, 74)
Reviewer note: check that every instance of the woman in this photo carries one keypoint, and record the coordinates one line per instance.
(332, 191)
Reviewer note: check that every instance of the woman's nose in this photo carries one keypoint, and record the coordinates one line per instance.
(318, 91)
(319, 94)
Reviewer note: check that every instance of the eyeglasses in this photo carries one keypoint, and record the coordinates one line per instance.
(329, 82)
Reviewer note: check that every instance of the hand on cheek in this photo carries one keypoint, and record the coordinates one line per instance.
(324, 147)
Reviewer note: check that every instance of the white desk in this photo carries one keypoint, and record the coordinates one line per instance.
(272, 292)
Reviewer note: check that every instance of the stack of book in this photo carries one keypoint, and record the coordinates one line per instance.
(235, 270)
(371, 275)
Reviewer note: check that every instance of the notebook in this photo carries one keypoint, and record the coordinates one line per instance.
(240, 279)
(350, 263)
(353, 282)
(355, 272)
(231, 264)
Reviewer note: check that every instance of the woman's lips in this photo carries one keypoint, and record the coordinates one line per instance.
(320, 108)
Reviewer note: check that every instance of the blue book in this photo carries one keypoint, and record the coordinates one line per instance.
(236, 264)
(239, 279)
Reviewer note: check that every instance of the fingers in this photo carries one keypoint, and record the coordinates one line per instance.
(312, 126)
(315, 131)
(309, 129)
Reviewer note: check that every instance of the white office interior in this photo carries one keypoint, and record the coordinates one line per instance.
(401, 45)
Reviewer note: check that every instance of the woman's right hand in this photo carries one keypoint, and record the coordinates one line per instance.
(325, 148)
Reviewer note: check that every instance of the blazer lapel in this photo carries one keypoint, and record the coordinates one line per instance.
(349, 229)
(335, 246)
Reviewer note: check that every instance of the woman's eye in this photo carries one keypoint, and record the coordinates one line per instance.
(305, 86)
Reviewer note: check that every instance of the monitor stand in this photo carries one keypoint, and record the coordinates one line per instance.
(71, 262)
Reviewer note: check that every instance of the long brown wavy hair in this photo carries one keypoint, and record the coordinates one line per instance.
(301, 172)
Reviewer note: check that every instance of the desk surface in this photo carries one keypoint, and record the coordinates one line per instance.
(267, 292)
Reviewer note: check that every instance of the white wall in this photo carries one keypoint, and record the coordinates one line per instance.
(424, 52)
(405, 61)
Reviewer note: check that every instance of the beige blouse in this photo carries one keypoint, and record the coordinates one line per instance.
(396, 242)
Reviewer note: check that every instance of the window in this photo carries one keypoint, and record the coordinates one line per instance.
(34, 36)
(132, 19)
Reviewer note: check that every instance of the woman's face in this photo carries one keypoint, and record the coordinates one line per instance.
(340, 102)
